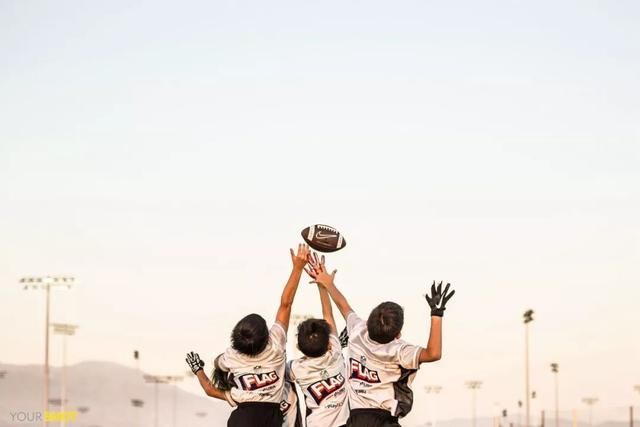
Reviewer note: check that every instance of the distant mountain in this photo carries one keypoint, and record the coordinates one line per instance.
(106, 389)
(488, 422)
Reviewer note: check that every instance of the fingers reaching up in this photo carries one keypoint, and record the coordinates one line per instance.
(300, 257)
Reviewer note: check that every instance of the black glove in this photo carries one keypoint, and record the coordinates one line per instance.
(222, 380)
(344, 338)
(194, 362)
(437, 300)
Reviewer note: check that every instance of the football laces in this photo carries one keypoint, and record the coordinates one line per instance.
(327, 228)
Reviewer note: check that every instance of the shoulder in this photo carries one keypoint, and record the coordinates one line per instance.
(278, 335)
(407, 354)
(352, 317)
(336, 347)
(278, 329)
(355, 322)
(292, 368)
(228, 360)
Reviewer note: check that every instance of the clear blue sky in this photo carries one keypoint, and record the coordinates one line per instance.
(168, 154)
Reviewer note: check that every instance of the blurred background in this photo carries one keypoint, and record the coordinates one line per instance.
(166, 155)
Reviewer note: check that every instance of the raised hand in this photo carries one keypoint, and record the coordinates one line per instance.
(194, 362)
(318, 272)
(438, 299)
(315, 264)
(300, 258)
(344, 338)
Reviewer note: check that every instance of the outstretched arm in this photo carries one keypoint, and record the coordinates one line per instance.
(319, 274)
(325, 300)
(437, 301)
(298, 259)
(433, 351)
(208, 387)
(327, 309)
(197, 367)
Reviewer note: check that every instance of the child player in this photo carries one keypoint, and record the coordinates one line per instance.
(381, 366)
(256, 361)
(320, 372)
(290, 406)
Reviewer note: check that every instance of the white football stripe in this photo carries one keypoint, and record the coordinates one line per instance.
(339, 245)
(312, 232)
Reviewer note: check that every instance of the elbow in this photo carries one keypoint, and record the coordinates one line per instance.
(286, 304)
(435, 355)
(212, 392)
(208, 389)
(431, 356)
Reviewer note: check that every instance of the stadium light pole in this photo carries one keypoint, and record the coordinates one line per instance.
(136, 403)
(555, 368)
(46, 283)
(636, 388)
(65, 330)
(433, 389)
(136, 358)
(473, 386)
(590, 401)
(163, 379)
(175, 379)
(519, 413)
(83, 409)
(495, 420)
(155, 380)
(528, 318)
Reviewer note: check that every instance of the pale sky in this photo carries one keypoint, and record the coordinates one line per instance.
(168, 154)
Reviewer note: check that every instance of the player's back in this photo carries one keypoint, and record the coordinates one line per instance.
(258, 378)
(324, 386)
(379, 375)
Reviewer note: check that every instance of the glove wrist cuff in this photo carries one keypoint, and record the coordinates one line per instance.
(439, 312)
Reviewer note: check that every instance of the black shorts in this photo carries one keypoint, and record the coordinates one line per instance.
(372, 418)
(256, 414)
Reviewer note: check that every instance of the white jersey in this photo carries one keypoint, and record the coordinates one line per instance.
(379, 374)
(258, 378)
(323, 383)
(289, 406)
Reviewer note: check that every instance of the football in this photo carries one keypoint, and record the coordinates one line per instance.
(323, 238)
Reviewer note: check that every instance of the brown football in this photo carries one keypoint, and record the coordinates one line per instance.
(323, 238)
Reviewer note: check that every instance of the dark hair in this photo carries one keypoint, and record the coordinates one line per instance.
(313, 337)
(385, 322)
(250, 335)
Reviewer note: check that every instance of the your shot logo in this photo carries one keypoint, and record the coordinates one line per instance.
(46, 416)
(252, 382)
(360, 372)
(323, 388)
